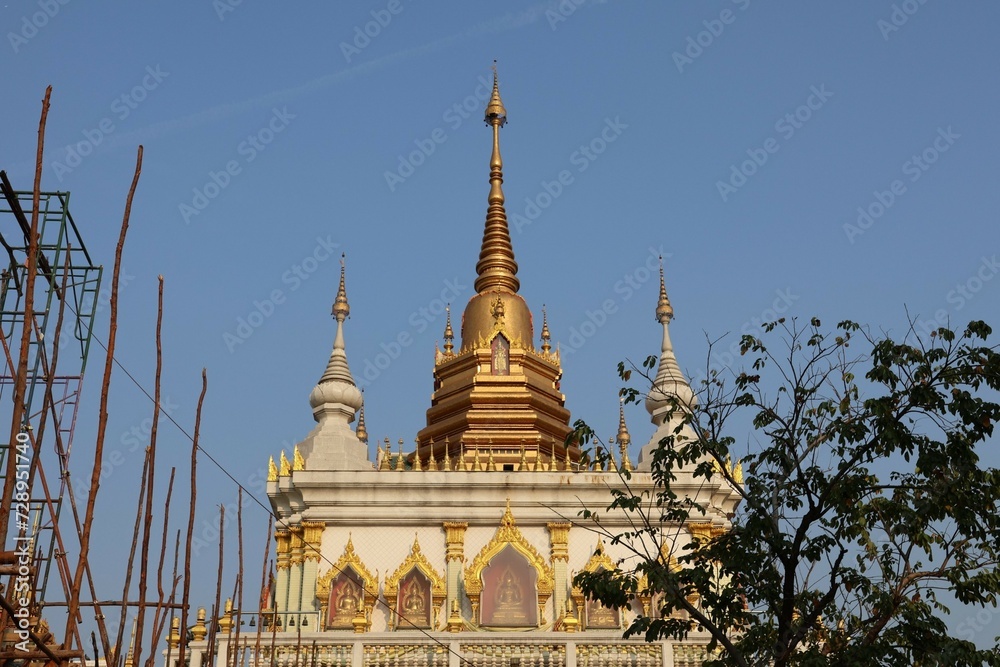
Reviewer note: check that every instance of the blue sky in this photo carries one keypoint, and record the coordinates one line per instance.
(827, 159)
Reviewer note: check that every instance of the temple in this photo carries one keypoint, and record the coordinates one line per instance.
(462, 550)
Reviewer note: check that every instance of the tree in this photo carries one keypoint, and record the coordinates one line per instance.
(864, 508)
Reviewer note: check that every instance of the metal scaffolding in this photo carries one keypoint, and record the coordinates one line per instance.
(34, 467)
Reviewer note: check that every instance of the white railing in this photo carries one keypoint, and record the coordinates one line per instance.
(405, 649)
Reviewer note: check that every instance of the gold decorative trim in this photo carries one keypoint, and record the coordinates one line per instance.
(298, 463)
(347, 559)
(272, 470)
(643, 594)
(735, 470)
(439, 588)
(599, 560)
(509, 534)
(285, 468)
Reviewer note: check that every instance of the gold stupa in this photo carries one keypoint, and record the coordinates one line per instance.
(497, 394)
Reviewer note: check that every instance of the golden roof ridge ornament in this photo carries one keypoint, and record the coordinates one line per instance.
(496, 266)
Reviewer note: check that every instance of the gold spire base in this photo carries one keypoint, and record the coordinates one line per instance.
(493, 404)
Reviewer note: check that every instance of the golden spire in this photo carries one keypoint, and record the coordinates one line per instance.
(286, 468)
(663, 307)
(386, 456)
(361, 431)
(624, 438)
(449, 333)
(340, 305)
(272, 470)
(298, 463)
(337, 369)
(496, 266)
(546, 336)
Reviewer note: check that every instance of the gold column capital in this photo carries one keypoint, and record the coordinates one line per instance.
(297, 544)
(282, 545)
(454, 535)
(700, 531)
(559, 538)
(312, 535)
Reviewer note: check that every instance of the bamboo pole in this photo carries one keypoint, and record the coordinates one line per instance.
(102, 424)
(159, 618)
(21, 379)
(239, 569)
(262, 603)
(186, 597)
(216, 611)
(130, 562)
(147, 523)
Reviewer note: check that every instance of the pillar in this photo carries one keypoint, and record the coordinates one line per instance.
(559, 554)
(295, 559)
(454, 535)
(282, 540)
(312, 534)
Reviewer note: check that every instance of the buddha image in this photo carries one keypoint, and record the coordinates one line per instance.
(507, 601)
(414, 603)
(346, 604)
(599, 616)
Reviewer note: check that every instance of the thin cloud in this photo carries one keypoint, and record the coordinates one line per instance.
(509, 21)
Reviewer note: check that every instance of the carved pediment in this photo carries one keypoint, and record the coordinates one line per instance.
(508, 536)
(414, 598)
(343, 579)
